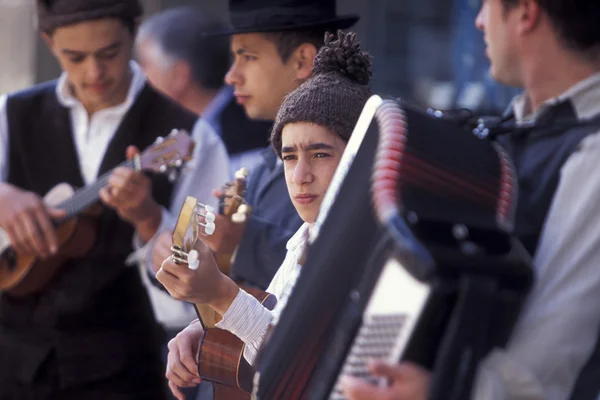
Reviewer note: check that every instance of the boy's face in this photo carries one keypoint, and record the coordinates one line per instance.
(95, 55)
(311, 154)
(260, 78)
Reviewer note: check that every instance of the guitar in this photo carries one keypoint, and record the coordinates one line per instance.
(22, 274)
(233, 206)
(220, 354)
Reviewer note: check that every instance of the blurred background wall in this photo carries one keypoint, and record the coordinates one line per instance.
(427, 51)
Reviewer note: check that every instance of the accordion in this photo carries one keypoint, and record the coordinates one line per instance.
(412, 259)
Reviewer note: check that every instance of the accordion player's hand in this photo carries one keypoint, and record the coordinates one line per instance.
(407, 382)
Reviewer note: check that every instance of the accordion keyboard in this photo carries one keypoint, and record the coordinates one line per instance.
(388, 322)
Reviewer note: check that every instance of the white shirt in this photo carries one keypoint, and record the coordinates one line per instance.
(91, 135)
(247, 318)
(557, 329)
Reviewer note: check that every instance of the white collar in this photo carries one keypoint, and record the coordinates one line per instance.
(584, 96)
(299, 238)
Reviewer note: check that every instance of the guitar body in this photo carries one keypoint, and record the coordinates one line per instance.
(222, 392)
(24, 274)
(221, 358)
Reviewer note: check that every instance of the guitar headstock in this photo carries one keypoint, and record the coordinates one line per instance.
(167, 152)
(232, 203)
(193, 217)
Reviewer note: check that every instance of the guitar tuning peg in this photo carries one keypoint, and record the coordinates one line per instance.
(173, 175)
(163, 168)
(159, 140)
(242, 173)
(243, 209)
(209, 217)
(174, 132)
(238, 218)
(192, 260)
(178, 163)
(209, 228)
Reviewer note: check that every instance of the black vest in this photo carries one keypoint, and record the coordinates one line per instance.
(538, 155)
(95, 316)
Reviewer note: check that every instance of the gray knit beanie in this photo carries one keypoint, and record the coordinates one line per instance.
(53, 14)
(334, 95)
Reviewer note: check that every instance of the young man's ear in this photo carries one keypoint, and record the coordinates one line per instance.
(529, 15)
(303, 58)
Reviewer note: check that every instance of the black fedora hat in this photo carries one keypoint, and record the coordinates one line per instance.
(250, 16)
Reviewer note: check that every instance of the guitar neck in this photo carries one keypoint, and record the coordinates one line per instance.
(88, 195)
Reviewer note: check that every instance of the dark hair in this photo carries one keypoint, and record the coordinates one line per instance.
(334, 95)
(576, 21)
(129, 24)
(288, 41)
(54, 14)
(183, 33)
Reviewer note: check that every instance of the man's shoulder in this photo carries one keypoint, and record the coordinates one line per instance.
(40, 90)
(166, 107)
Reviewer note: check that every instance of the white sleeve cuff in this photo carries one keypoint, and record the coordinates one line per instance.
(142, 252)
(247, 319)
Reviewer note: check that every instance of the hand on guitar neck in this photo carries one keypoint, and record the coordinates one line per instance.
(230, 221)
(191, 274)
(38, 236)
(229, 226)
(204, 285)
(129, 193)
